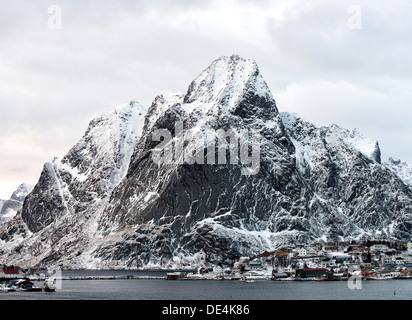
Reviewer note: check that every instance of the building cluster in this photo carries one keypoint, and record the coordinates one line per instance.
(12, 272)
(331, 260)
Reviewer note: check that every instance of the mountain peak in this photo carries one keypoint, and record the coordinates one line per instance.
(20, 194)
(226, 81)
(128, 106)
(365, 145)
(9, 208)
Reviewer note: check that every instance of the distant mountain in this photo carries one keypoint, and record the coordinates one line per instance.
(158, 188)
(9, 208)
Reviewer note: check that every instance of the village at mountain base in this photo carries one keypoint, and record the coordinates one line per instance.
(367, 260)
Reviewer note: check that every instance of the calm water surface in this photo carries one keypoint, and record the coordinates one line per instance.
(159, 289)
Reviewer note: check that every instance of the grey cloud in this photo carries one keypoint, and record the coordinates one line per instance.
(317, 40)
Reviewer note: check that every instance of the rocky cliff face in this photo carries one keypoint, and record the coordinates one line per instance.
(118, 199)
(363, 196)
(178, 212)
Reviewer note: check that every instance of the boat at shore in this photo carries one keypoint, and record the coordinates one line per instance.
(7, 287)
(26, 285)
(19, 285)
(247, 281)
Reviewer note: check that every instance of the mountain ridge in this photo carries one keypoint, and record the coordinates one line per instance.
(110, 205)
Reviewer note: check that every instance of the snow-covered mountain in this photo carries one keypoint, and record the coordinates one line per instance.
(9, 208)
(109, 204)
(400, 168)
(59, 216)
(366, 197)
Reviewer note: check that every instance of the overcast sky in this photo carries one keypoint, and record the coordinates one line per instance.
(64, 62)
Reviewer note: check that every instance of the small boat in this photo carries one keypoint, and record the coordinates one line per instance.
(246, 280)
(26, 285)
(377, 278)
(400, 275)
(7, 287)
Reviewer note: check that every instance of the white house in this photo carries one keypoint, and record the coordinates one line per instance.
(255, 265)
(244, 260)
(401, 259)
(237, 266)
(326, 262)
(12, 273)
(306, 252)
(379, 248)
(218, 271)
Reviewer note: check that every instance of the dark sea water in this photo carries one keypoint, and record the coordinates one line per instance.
(160, 289)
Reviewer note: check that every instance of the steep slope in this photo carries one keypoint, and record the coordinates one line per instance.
(58, 217)
(9, 208)
(364, 197)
